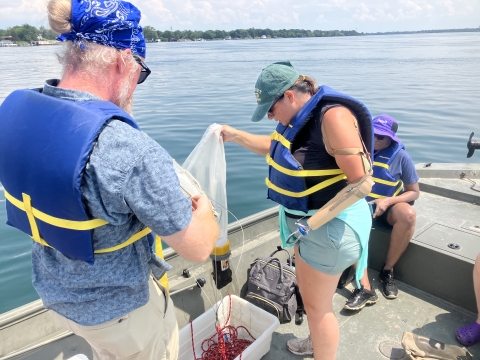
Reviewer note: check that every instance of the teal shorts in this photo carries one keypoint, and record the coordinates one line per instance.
(331, 248)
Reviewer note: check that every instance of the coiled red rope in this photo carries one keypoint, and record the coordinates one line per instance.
(225, 343)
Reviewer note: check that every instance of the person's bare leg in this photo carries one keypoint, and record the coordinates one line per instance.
(317, 291)
(402, 217)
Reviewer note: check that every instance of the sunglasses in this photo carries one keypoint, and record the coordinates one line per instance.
(145, 70)
(270, 111)
(380, 137)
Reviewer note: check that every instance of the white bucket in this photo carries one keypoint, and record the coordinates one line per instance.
(260, 324)
(79, 357)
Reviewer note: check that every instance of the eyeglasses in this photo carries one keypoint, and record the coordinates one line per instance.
(380, 137)
(270, 111)
(145, 70)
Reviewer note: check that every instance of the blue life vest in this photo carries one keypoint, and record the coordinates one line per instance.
(385, 184)
(45, 144)
(285, 182)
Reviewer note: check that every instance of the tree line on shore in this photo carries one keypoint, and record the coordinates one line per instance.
(152, 34)
(29, 33)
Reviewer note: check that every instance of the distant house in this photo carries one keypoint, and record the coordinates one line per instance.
(41, 42)
(263, 37)
(7, 43)
(228, 38)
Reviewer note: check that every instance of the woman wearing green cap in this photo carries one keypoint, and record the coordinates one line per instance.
(320, 148)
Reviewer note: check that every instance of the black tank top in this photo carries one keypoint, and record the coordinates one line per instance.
(309, 150)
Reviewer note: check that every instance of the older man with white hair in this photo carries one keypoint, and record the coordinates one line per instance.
(90, 188)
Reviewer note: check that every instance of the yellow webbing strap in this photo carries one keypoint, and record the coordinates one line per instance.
(301, 173)
(159, 252)
(135, 237)
(375, 163)
(385, 182)
(27, 201)
(376, 196)
(307, 192)
(33, 214)
(277, 137)
(129, 241)
(62, 223)
(399, 189)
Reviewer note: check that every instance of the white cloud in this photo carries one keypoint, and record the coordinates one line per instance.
(22, 11)
(366, 15)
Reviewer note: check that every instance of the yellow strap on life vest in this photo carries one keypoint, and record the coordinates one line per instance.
(159, 252)
(27, 201)
(135, 237)
(33, 214)
(307, 192)
(385, 182)
(398, 190)
(62, 223)
(301, 173)
(376, 163)
(278, 137)
(377, 196)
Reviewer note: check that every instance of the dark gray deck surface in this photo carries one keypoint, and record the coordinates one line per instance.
(362, 332)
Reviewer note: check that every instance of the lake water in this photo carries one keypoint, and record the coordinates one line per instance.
(429, 82)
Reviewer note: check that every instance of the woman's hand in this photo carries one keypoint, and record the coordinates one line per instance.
(259, 144)
(228, 133)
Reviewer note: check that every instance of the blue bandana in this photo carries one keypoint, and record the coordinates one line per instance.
(108, 22)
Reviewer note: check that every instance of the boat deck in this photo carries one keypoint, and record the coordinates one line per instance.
(381, 326)
(364, 334)
(434, 275)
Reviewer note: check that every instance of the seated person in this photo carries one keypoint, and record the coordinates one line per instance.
(470, 334)
(396, 187)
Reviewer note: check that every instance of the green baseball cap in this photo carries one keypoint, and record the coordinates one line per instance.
(273, 81)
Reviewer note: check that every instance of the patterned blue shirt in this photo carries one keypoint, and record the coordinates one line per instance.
(130, 182)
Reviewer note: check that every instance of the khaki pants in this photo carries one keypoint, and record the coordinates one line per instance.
(143, 334)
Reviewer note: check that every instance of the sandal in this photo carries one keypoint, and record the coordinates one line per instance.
(470, 334)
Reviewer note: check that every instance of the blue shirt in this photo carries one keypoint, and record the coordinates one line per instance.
(130, 182)
(403, 168)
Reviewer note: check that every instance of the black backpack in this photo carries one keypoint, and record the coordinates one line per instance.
(272, 286)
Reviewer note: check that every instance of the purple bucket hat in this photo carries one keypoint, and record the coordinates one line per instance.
(386, 125)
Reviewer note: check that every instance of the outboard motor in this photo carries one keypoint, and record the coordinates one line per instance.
(472, 145)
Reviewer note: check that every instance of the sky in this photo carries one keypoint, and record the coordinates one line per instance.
(363, 16)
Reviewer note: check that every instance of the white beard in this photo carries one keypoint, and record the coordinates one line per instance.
(127, 106)
(122, 99)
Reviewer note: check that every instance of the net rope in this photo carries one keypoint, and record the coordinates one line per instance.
(226, 343)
